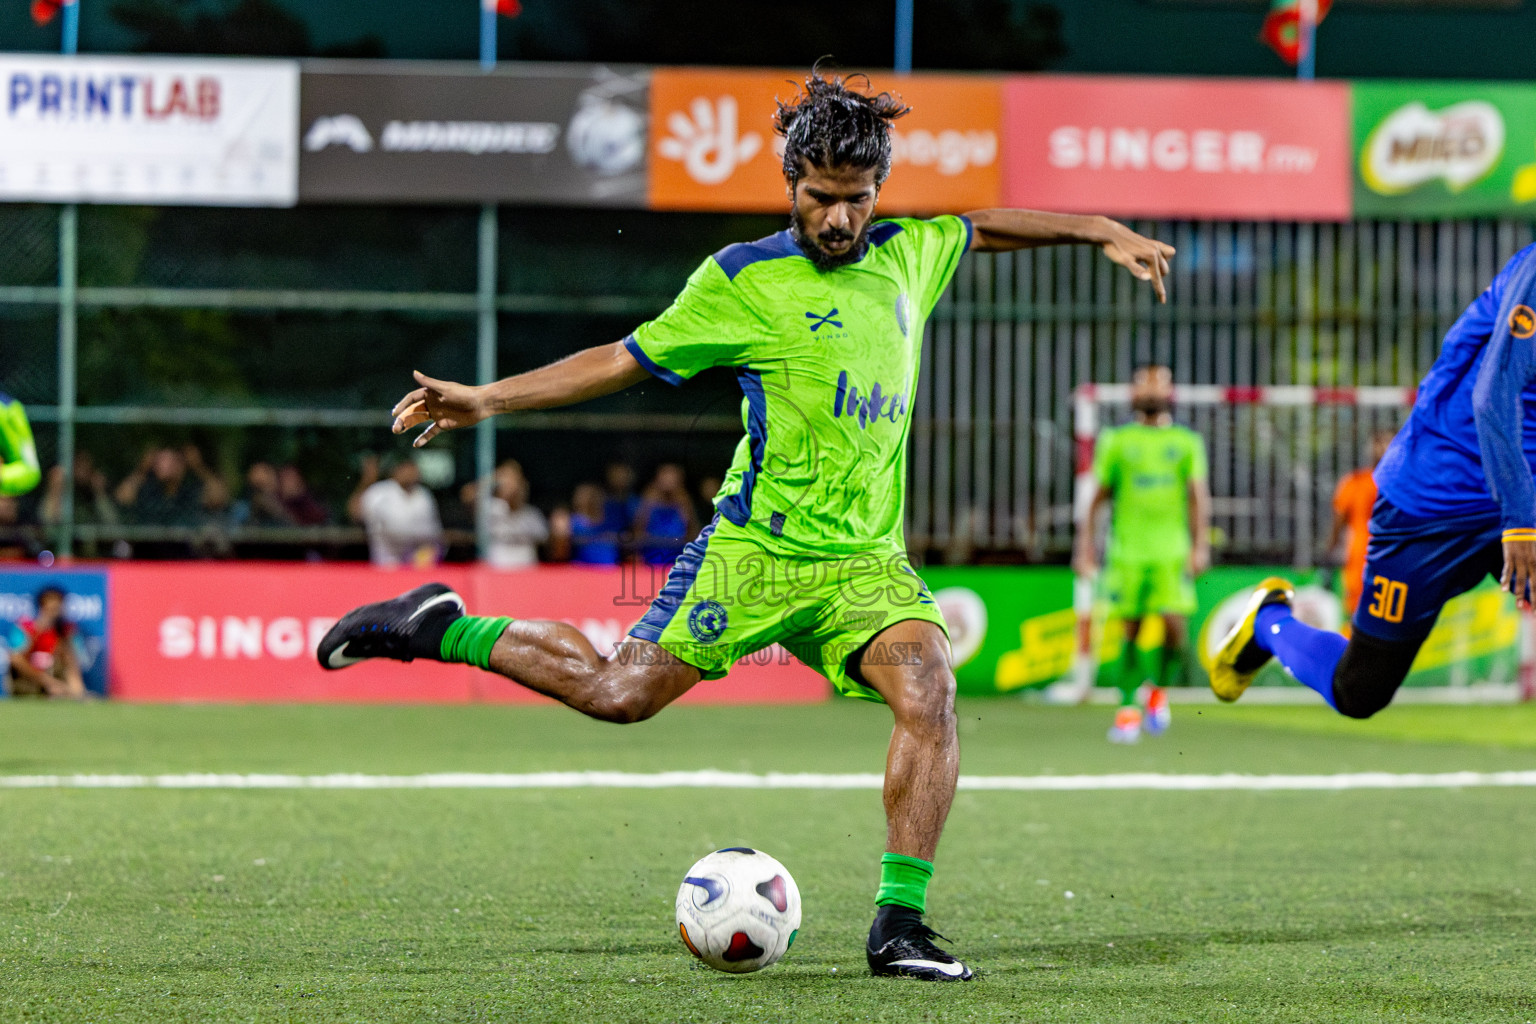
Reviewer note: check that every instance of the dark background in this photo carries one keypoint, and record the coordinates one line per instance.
(1361, 38)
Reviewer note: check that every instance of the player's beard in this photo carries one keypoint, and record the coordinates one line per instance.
(822, 259)
(1151, 405)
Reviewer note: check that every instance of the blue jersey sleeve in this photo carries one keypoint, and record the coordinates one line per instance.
(1509, 366)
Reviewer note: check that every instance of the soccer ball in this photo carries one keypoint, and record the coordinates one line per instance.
(738, 910)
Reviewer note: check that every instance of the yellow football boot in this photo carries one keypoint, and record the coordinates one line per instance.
(1239, 659)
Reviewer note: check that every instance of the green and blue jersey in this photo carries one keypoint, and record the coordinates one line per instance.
(1148, 470)
(827, 362)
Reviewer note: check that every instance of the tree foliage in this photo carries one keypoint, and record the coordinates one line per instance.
(253, 28)
(1002, 35)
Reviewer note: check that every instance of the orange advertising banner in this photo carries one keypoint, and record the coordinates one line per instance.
(713, 146)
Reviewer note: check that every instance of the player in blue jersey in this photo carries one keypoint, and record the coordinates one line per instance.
(1457, 502)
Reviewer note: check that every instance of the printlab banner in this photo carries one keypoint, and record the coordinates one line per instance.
(561, 134)
(1444, 149)
(1015, 628)
(224, 632)
(713, 146)
(148, 130)
(1171, 147)
(85, 608)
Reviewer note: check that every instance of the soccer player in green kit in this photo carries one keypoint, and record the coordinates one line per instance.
(1153, 472)
(19, 468)
(823, 324)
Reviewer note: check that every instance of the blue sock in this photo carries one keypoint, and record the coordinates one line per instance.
(1309, 655)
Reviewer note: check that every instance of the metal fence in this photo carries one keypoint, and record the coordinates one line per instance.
(992, 459)
(1331, 305)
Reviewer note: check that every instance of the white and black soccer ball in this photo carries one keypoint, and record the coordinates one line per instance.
(738, 910)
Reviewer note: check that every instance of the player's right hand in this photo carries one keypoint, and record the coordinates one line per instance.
(1519, 577)
(441, 404)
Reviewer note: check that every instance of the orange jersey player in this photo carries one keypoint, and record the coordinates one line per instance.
(1352, 503)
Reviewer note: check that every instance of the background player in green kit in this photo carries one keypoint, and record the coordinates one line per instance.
(823, 324)
(19, 468)
(1153, 472)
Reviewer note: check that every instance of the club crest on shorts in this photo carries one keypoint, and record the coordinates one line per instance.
(707, 621)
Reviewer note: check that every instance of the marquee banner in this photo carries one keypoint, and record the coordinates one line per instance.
(551, 134)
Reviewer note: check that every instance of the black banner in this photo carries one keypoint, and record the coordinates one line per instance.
(385, 132)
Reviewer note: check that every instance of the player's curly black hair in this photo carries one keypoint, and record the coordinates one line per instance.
(829, 124)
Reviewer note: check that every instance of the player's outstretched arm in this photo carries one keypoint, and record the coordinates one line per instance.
(445, 405)
(1003, 230)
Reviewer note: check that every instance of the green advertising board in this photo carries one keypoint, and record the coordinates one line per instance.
(1014, 628)
(1443, 149)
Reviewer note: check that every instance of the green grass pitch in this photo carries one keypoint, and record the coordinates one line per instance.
(545, 905)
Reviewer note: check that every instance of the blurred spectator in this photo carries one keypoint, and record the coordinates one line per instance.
(172, 488)
(261, 505)
(15, 541)
(93, 500)
(619, 501)
(582, 530)
(459, 513)
(514, 528)
(664, 522)
(303, 507)
(44, 662)
(399, 513)
(708, 488)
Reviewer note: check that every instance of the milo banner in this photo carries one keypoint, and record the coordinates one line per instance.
(1014, 628)
(1444, 149)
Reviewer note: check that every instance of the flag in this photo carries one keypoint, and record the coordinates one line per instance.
(505, 8)
(44, 10)
(1282, 27)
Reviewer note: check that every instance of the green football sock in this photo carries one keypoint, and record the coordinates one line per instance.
(903, 881)
(1129, 678)
(470, 638)
(1172, 667)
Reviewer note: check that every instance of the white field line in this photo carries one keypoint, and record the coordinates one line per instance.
(710, 779)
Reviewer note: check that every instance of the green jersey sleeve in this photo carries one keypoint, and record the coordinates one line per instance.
(707, 325)
(19, 468)
(1194, 461)
(933, 249)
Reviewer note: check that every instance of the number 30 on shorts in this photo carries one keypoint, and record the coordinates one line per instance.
(1388, 599)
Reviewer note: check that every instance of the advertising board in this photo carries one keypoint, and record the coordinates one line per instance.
(148, 130)
(713, 146)
(1013, 629)
(248, 632)
(1444, 149)
(86, 609)
(1177, 147)
(387, 132)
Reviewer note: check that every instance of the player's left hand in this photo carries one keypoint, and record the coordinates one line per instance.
(1519, 577)
(1147, 258)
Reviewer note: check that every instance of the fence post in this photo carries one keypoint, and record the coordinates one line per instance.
(485, 371)
(69, 236)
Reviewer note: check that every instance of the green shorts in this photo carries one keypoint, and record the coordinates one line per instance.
(1137, 589)
(728, 597)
